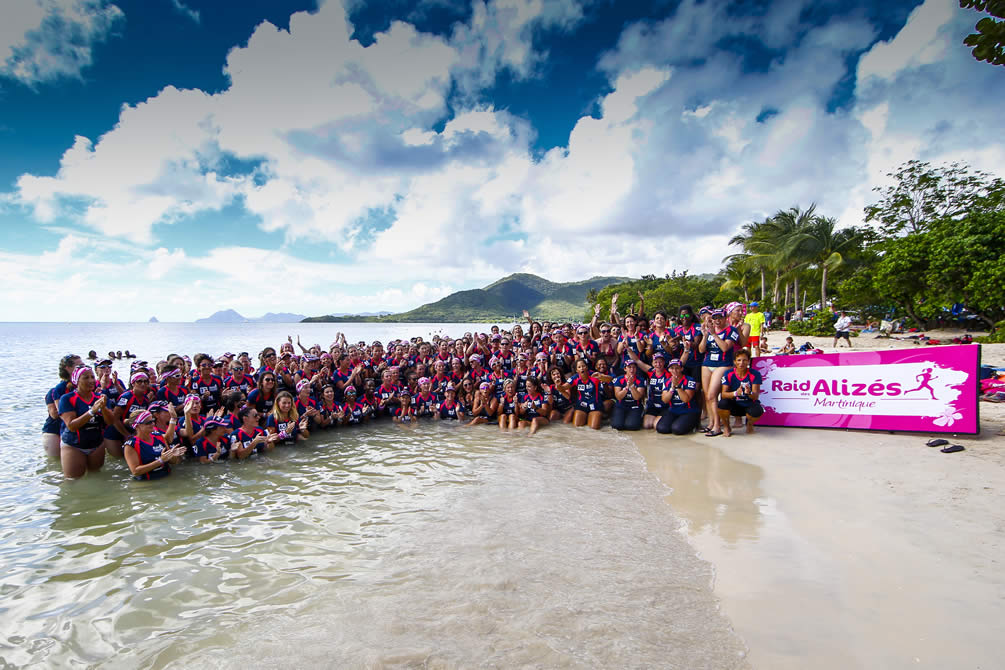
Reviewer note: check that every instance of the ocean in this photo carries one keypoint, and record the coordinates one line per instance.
(382, 546)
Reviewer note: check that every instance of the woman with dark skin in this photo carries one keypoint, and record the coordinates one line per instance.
(562, 395)
(603, 373)
(250, 436)
(741, 390)
(84, 417)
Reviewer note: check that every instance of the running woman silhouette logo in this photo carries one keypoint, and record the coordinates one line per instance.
(924, 380)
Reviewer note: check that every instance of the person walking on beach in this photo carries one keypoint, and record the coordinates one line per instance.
(841, 328)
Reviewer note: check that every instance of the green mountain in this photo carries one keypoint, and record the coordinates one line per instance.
(503, 300)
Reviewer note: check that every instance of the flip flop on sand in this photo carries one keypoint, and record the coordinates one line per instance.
(937, 442)
(714, 433)
(952, 449)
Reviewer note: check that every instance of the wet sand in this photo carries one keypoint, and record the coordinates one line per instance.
(840, 549)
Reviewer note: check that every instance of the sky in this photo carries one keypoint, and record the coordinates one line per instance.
(172, 158)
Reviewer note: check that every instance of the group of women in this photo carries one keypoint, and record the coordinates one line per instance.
(663, 373)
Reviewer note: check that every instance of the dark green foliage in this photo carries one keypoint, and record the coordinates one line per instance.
(666, 294)
(821, 325)
(989, 41)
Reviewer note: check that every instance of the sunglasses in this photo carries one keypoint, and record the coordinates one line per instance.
(144, 423)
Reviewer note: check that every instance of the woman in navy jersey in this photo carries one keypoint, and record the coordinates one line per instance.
(588, 401)
(264, 396)
(355, 412)
(190, 426)
(630, 398)
(171, 390)
(53, 425)
(285, 422)
(329, 412)
(165, 421)
(148, 455)
(508, 418)
(562, 395)
(741, 390)
(250, 436)
(657, 379)
(449, 408)
(138, 396)
(485, 405)
(534, 406)
(214, 445)
(683, 400)
(84, 415)
(717, 344)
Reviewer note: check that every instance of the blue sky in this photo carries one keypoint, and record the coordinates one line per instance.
(172, 158)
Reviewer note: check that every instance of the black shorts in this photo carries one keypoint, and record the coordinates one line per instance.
(754, 409)
(841, 333)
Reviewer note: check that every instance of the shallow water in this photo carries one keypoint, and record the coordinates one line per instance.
(383, 546)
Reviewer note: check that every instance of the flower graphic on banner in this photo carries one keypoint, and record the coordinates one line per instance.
(765, 367)
(949, 417)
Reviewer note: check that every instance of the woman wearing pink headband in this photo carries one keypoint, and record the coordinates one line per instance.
(486, 406)
(137, 397)
(171, 390)
(84, 417)
(147, 454)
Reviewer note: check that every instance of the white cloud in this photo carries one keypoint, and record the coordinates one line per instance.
(42, 40)
(186, 11)
(688, 146)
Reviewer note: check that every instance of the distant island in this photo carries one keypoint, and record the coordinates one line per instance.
(230, 316)
(153, 319)
(503, 300)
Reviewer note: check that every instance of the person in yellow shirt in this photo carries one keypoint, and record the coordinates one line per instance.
(755, 318)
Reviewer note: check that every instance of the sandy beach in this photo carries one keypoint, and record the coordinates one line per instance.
(841, 549)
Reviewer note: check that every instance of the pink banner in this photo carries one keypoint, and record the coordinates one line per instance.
(926, 389)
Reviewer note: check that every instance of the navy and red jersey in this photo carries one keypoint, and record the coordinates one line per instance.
(425, 404)
(590, 351)
(690, 334)
(449, 410)
(636, 342)
(588, 393)
(386, 393)
(479, 374)
(114, 389)
(507, 405)
(715, 357)
(563, 354)
(677, 405)
(302, 405)
(263, 403)
(208, 391)
(91, 434)
(404, 414)
(657, 384)
(197, 422)
(54, 426)
(172, 398)
(242, 439)
(533, 404)
(204, 448)
(233, 421)
(245, 383)
(148, 452)
(559, 402)
(507, 358)
(129, 401)
(440, 383)
(288, 428)
(736, 384)
(354, 412)
(328, 410)
(339, 380)
(499, 381)
(629, 401)
(657, 342)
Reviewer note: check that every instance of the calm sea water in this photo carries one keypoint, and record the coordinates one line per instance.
(439, 546)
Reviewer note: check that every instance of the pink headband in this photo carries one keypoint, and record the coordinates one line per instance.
(169, 374)
(192, 396)
(142, 416)
(138, 375)
(77, 371)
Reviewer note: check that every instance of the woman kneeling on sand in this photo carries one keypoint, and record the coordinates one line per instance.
(741, 388)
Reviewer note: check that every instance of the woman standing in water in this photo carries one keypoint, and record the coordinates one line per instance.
(148, 455)
(84, 417)
(53, 425)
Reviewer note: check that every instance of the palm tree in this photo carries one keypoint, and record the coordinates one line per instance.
(822, 245)
(739, 272)
(785, 232)
(757, 248)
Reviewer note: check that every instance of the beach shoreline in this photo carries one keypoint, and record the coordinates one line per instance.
(842, 548)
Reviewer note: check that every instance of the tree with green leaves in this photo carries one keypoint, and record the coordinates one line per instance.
(825, 247)
(989, 41)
